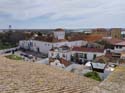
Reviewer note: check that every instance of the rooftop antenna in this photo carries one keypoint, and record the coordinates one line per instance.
(10, 26)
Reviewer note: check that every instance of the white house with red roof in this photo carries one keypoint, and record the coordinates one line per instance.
(59, 34)
(76, 54)
(87, 53)
(120, 46)
(61, 52)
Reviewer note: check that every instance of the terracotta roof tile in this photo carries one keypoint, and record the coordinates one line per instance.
(65, 62)
(83, 49)
(93, 38)
(23, 77)
(113, 41)
(59, 30)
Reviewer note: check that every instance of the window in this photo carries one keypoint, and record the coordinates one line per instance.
(58, 56)
(64, 55)
(85, 56)
(120, 46)
(116, 46)
(80, 55)
(94, 56)
(52, 54)
(34, 44)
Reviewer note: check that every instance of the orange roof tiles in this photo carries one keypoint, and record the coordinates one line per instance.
(65, 62)
(113, 41)
(59, 30)
(84, 49)
(93, 38)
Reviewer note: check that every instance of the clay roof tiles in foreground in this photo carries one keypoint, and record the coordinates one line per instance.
(22, 77)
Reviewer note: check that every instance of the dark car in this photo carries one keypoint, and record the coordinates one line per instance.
(9, 51)
(26, 55)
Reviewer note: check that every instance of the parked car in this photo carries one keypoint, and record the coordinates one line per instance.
(26, 55)
(8, 51)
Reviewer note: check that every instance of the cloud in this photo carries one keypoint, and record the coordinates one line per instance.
(64, 10)
(25, 9)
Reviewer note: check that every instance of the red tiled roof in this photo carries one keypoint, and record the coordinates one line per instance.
(92, 38)
(49, 39)
(65, 62)
(59, 30)
(62, 61)
(83, 49)
(75, 38)
(113, 41)
(108, 55)
(121, 43)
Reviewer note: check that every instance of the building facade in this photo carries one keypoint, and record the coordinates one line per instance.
(43, 46)
(116, 33)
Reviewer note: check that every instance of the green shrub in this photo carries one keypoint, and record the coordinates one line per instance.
(93, 75)
(14, 57)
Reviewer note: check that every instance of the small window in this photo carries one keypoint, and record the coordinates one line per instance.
(85, 56)
(64, 55)
(34, 44)
(116, 46)
(52, 54)
(81, 55)
(120, 46)
(94, 56)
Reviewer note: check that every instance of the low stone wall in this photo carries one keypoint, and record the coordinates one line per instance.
(115, 83)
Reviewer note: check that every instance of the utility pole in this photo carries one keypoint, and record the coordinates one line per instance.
(10, 27)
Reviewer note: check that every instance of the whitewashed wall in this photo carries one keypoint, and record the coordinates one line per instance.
(119, 49)
(90, 55)
(59, 34)
(57, 64)
(53, 54)
(44, 47)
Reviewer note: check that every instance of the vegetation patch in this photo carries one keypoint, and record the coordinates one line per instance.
(6, 45)
(14, 57)
(93, 75)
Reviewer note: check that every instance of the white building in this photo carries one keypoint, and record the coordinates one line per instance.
(87, 53)
(120, 46)
(59, 34)
(44, 46)
(61, 52)
(123, 34)
(76, 54)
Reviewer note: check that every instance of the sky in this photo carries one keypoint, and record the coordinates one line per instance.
(38, 14)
